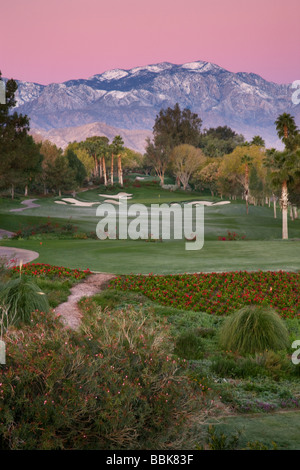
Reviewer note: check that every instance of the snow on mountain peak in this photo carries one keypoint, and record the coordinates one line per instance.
(115, 74)
(199, 66)
(155, 68)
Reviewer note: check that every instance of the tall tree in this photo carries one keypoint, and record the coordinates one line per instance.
(77, 166)
(50, 153)
(284, 166)
(14, 129)
(286, 128)
(60, 176)
(258, 140)
(95, 146)
(174, 126)
(185, 161)
(158, 158)
(247, 161)
(117, 147)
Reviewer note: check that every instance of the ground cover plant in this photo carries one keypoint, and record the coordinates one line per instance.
(112, 385)
(48, 271)
(220, 293)
(254, 385)
(254, 329)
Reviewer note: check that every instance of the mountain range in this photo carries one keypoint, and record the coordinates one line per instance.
(127, 101)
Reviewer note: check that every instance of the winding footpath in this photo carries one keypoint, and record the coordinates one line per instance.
(28, 203)
(69, 310)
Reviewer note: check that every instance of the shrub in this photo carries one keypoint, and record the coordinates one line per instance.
(21, 297)
(189, 345)
(254, 329)
(111, 385)
(229, 366)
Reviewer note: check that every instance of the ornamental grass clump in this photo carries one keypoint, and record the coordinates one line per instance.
(254, 329)
(21, 297)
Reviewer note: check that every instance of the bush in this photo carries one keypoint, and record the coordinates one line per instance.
(254, 329)
(111, 385)
(189, 345)
(21, 297)
(237, 367)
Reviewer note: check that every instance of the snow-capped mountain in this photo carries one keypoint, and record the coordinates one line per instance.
(130, 99)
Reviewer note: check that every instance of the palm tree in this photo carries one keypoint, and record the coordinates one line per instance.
(247, 160)
(117, 147)
(284, 167)
(286, 127)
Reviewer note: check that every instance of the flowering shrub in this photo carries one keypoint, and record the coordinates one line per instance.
(219, 293)
(232, 236)
(51, 272)
(45, 229)
(114, 385)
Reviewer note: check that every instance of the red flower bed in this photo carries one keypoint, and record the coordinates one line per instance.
(219, 293)
(51, 272)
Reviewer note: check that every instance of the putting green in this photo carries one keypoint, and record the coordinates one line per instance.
(123, 257)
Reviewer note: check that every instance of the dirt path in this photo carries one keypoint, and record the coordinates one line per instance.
(29, 205)
(15, 255)
(69, 310)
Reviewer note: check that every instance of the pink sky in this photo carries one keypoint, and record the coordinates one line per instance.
(56, 40)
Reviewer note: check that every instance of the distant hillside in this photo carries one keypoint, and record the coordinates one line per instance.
(130, 99)
(135, 139)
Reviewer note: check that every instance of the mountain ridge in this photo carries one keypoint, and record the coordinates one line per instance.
(131, 99)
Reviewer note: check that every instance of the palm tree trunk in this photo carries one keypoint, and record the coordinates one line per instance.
(275, 206)
(26, 190)
(284, 201)
(112, 170)
(247, 187)
(295, 212)
(104, 171)
(120, 173)
(12, 191)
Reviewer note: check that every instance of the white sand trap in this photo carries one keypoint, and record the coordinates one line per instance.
(111, 201)
(221, 203)
(203, 203)
(75, 202)
(61, 202)
(118, 196)
(139, 178)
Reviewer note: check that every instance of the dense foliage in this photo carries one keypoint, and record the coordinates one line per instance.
(111, 386)
(220, 293)
(254, 329)
(48, 271)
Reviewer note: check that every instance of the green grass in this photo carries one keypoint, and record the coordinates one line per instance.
(123, 257)
(255, 382)
(262, 249)
(281, 428)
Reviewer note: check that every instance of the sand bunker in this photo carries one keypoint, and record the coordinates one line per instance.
(117, 196)
(207, 203)
(111, 201)
(75, 202)
(203, 203)
(221, 203)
